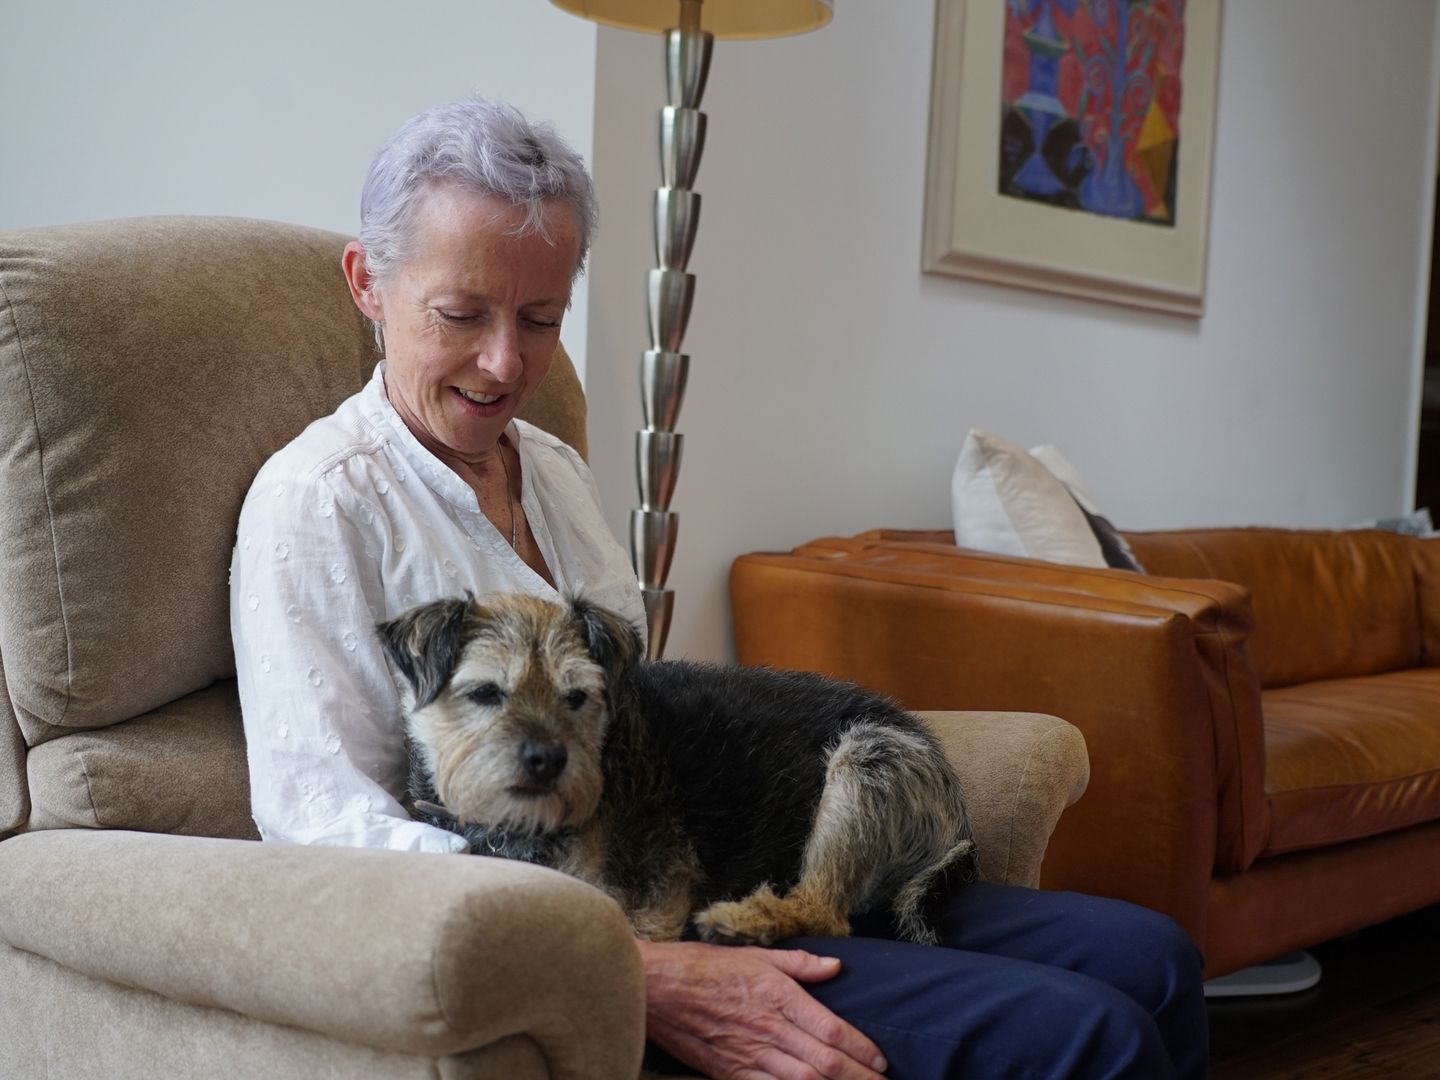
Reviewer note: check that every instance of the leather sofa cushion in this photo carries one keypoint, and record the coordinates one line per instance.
(1327, 604)
(1349, 758)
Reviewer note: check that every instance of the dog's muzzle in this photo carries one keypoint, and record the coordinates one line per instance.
(543, 761)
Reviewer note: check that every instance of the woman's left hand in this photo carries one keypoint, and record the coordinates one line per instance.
(741, 1014)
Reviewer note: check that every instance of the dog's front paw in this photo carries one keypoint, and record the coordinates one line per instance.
(735, 923)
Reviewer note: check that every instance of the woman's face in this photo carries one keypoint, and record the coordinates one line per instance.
(472, 318)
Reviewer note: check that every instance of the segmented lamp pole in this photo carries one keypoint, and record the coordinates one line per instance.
(663, 367)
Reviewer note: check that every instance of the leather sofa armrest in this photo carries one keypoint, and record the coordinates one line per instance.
(1153, 671)
(419, 953)
(1018, 771)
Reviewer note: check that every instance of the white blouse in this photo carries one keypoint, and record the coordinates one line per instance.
(348, 525)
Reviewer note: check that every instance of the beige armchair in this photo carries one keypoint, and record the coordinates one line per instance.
(147, 368)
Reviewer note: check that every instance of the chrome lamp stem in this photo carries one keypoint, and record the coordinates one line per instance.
(664, 368)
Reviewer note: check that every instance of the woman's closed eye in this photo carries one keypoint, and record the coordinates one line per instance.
(457, 317)
(538, 324)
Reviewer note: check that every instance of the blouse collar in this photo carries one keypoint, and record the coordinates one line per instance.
(436, 475)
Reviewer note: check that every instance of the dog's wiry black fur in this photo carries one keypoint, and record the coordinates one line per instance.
(751, 800)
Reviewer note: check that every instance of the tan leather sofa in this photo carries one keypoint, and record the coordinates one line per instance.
(1262, 708)
(147, 368)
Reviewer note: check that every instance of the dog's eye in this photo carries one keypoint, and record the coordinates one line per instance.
(487, 694)
(576, 698)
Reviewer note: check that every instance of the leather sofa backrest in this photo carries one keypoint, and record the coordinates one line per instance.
(147, 368)
(1327, 604)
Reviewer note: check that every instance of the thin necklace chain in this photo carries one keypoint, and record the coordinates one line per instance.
(509, 498)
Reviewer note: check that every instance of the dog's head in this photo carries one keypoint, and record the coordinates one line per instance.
(512, 698)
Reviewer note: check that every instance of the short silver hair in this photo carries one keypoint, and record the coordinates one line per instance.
(483, 146)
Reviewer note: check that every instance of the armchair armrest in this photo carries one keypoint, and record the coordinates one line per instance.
(1018, 771)
(423, 954)
(1153, 671)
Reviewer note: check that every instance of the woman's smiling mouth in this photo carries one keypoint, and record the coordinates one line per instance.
(478, 398)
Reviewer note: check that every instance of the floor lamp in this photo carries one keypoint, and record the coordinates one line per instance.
(690, 28)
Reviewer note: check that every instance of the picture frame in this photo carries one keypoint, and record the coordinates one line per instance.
(1156, 257)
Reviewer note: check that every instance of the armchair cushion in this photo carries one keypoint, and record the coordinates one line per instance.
(100, 587)
(178, 769)
(14, 795)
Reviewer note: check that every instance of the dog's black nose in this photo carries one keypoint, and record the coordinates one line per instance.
(543, 761)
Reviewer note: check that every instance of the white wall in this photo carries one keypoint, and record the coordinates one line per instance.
(267, 108)
(832, 383)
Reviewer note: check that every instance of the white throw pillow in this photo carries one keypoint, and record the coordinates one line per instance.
(1007, 502)
(1113, 547)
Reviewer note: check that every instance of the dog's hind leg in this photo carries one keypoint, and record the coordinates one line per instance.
(763, 918)
(888, 826)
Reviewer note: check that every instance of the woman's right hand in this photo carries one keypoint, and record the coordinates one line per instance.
(741, 1014)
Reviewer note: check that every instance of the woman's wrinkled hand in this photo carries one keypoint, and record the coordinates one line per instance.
(741, 1014)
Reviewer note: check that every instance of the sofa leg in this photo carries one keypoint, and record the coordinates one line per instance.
(1288, 974)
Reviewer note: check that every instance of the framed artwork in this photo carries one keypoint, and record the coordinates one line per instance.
(1071, 145)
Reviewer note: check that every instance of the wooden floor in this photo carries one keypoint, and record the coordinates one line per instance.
(1375, 1013)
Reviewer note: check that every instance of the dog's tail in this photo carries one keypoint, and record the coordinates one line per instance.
(917, 905)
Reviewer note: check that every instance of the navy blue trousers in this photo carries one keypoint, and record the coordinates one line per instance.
(1029, 984)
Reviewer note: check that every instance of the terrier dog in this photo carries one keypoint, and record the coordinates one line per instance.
(752, 804)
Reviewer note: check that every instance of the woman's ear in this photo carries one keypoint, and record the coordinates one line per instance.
(362, 286)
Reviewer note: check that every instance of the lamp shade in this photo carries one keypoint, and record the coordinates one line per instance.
(723, 18)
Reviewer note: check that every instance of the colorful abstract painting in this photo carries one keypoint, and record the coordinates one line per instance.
(1090, 105)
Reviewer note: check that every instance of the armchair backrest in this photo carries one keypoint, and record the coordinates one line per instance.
(148, 367)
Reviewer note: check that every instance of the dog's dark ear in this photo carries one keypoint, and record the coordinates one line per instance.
(424, 644)
(612, 640)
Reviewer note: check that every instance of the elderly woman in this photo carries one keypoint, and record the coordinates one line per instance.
(474, 226)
